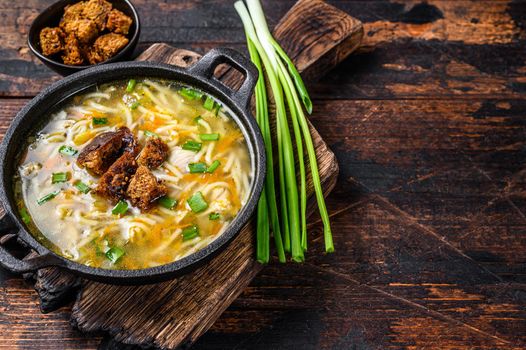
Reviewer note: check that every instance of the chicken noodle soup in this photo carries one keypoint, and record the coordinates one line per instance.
(134, 174)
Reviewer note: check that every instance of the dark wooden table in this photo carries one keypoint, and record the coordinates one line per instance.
(428, 122)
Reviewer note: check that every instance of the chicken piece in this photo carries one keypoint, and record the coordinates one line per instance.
(118, 22)
(72, 54)
(51, 41)
(144, 189)
(104, 149)
(97, 11)
(180, 158)
(114, 183)
(154, 153)
(106, 46)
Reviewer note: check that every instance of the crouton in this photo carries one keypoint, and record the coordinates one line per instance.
(104, 149)
(154, 153)
(100, 153)
(51, 41)
(144, 189)
(114, 183)
(85, 30)
(72, 54)
(106, 46)
(97, 11)
(129, 142)
(118, 22)
(72, 12)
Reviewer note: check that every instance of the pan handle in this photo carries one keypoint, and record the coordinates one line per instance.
(206, 66)
(10, 262)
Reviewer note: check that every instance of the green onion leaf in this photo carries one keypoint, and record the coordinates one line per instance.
(167, 202)
(149, 133)
(100, 121)
(209, 137)
(197, 202)
(131, 85)
(190, 94)
(82, 187)
(26, 218)
(190, 232)
(214, 216)
(215, 164)
(59, 177)
(192, 146)
(197, 168)
(300, 86)
(134, 105)
(114, 254)
(67, 150)
(47, 197)
(120, 208)
(197, 119)
(209, 103)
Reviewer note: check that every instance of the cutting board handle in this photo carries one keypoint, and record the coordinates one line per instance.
(207, 65)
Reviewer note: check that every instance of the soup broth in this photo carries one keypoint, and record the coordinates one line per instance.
(206, 176)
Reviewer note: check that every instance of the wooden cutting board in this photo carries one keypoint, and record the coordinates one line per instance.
(317, 36)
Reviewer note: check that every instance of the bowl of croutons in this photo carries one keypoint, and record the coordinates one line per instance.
(72, 35)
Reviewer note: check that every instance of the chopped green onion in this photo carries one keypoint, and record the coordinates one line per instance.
(167, 202)
(197, 119)
(120, 208)
(209, 103)
(190, 94)
(100, 121)
(82, 187)
(59, 177)
(114, 254)
(214, 216)
(25, 215)
(149, 133)
(98, 251)
(131, 85)
(197, 202)
(67, 150)
(47, 197)
(216, 109)
(190, 232)
(192, 146)
(215, 164)
(197, 168)
(134, 105)
(209, 137)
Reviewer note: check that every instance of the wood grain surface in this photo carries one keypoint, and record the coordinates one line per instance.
(427, 123)
(176, 313)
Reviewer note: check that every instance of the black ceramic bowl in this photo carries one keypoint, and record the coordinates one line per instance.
(30, 119)
(51, 16)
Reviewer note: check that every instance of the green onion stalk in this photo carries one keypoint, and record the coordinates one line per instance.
(288, 186)
(288, 90)
(268, 202)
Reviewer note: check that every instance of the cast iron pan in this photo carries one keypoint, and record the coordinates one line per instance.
(201, 76)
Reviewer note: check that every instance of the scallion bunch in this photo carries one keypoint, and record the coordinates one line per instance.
(288, 222)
